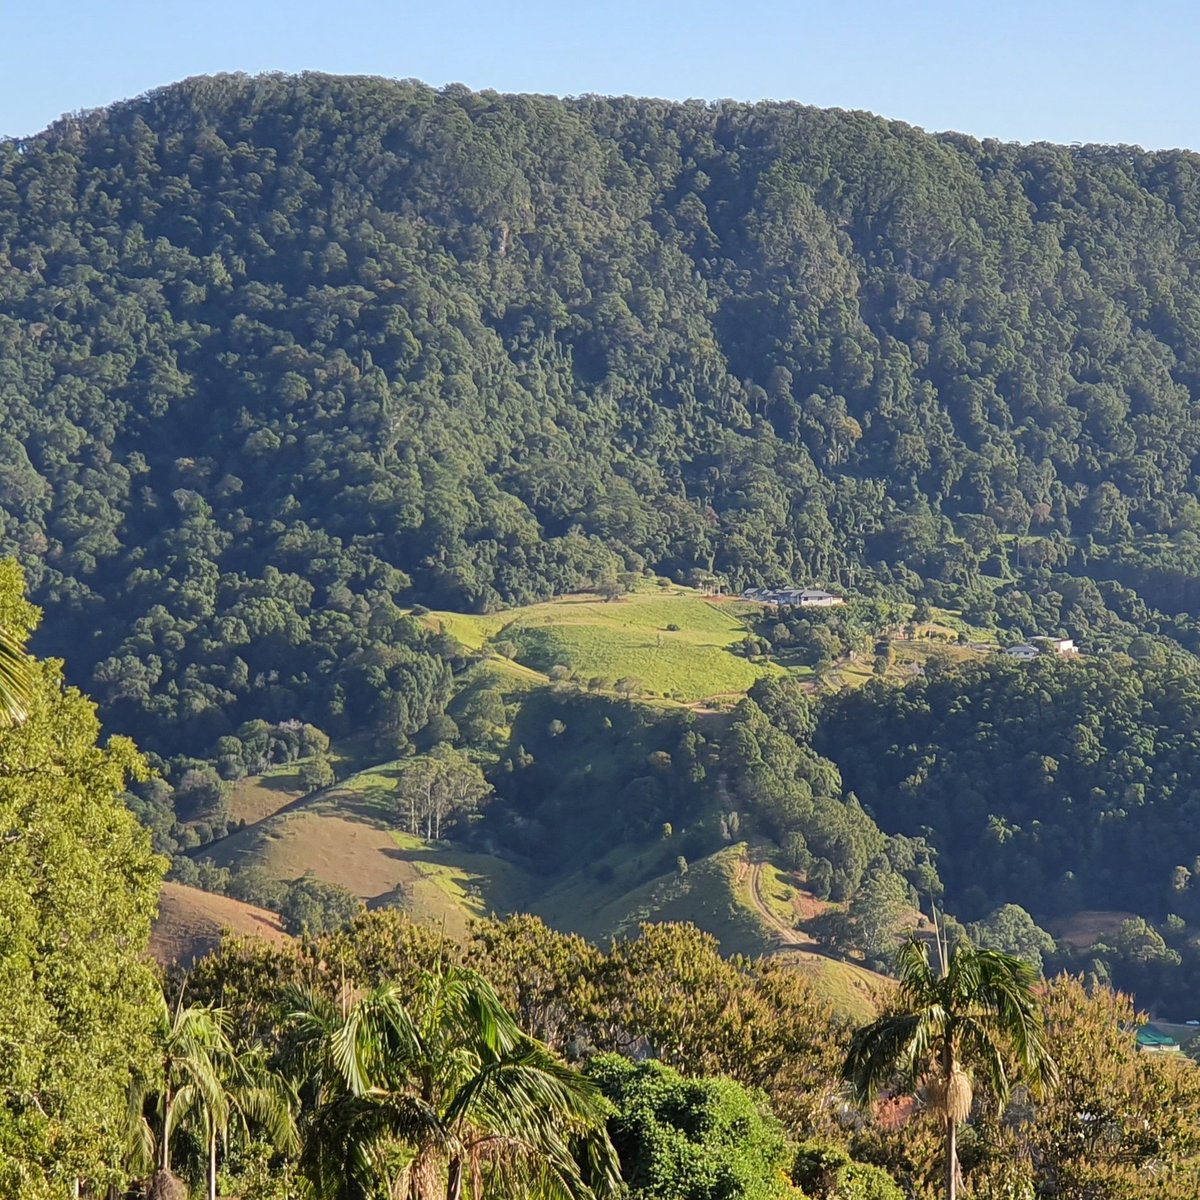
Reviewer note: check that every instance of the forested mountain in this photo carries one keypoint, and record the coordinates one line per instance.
(281, 353)
(288, 362)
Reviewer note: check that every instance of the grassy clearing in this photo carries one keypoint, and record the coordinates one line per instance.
(695, 661)
(512, 678)
(854, 992)
(953, 619)
(625, 638)
(469, 629)
(707, 896)
(453, 886)
(257, 797)
(1082, 930)
(593, 900)
(662, 663)
(780, 896)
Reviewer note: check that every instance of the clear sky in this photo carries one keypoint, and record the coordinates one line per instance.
(1056, 70)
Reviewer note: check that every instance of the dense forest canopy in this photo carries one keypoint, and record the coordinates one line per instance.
(279, 353)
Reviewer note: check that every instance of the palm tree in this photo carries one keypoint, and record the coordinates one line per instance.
(420, 1099)
(185, 1078)
(199, 1080)
(16, 681)
(975, 1012)
(253, 1096)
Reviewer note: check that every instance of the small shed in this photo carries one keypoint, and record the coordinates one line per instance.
(1152, 1040)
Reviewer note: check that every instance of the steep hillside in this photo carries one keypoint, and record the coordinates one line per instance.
(326, 404)
(278, 352)
(351, 835)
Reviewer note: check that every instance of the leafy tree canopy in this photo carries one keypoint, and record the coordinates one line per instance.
(78, 887)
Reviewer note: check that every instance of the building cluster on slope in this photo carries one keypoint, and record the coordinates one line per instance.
(1038, 646)
(793, 597)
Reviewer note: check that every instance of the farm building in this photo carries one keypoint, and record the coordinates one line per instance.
(1036, 647)
(1064, 647)
(1152, 1040)
(793, 597)
(1023, 652)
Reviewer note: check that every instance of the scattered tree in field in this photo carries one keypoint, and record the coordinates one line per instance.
(880, 912)
(444, 785)
(482, 714)
(311, 906)
(317, 773)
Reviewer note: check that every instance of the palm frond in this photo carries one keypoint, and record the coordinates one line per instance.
(16, 681)
(351, 1139)
(981, 1006)
(882, 1053)
(444, 1079)
(918, 981)
(137, 1137)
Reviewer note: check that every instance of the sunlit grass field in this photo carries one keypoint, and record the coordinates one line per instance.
(670, 642)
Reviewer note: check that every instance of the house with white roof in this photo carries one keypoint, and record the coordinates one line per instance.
(1023, 652)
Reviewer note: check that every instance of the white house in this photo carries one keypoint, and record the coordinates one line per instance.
(1064, 647)
(793, 597)
(815, 598)
(1023, 652)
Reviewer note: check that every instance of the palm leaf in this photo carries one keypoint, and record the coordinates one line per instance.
(16, 681)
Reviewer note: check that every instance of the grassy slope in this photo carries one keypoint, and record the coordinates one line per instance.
(260, 796)
(623, 638)
(629, 638)
(347, 836)
(715, 895)
(854, 992)
(190, 922)
(706, 895)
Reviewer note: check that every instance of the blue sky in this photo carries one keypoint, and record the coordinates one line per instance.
(1057, 70)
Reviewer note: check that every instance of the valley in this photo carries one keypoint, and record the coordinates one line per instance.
(592, 581)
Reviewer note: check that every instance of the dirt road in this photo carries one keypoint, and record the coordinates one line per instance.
(787, 935)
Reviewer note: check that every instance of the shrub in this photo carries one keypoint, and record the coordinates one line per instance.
(829, 1173)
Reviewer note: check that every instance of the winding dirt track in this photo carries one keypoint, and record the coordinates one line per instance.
(786, 934)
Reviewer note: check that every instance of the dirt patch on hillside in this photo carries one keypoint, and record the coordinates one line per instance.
(1082, 930)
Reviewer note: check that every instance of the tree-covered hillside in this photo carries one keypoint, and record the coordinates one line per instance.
(279, 353)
